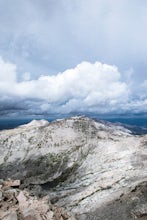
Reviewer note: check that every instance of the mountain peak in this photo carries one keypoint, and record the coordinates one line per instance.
(78, 162)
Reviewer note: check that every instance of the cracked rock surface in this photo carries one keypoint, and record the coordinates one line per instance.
(82, 165)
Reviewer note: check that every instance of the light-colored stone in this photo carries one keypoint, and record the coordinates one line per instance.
(12, 183)
(49, 215)
(1, 195)
(1, 182)
(84, 163)
(11, 191)
(3, 213)
(23, 203)
(10, 216)
(31, 214)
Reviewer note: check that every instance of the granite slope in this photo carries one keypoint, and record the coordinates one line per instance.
(82, 164)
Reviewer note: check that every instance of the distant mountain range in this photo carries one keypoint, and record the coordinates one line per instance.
(137, 124)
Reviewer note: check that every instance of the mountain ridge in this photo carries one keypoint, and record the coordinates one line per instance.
(75, 161)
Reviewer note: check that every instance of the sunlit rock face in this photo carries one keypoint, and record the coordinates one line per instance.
(83, 165)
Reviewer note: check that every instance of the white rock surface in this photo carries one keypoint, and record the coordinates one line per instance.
(77, 161)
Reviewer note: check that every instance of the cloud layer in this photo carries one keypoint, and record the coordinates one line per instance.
(89, 87)
(51, 36)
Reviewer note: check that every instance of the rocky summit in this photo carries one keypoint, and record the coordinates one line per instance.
(93, 169)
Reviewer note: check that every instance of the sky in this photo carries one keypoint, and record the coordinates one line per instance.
(62, 56)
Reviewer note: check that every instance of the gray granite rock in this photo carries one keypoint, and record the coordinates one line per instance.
(80, 163)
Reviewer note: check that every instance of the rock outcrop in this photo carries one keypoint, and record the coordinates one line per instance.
(84, 166)
(16, 204)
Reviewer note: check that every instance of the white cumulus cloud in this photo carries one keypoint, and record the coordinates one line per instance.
(89, 87)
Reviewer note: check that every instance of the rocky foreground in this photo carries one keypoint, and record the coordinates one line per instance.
(94, 170)
(17, 204)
